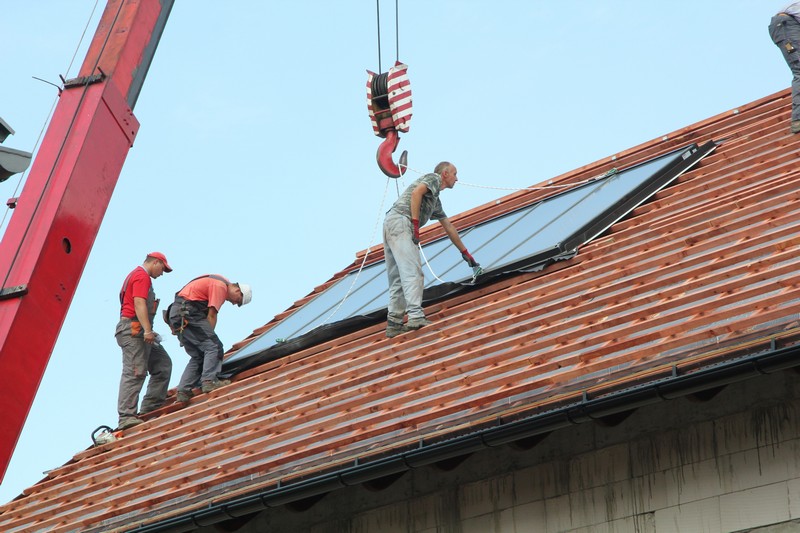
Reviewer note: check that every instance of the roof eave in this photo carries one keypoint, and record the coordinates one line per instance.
(772, 360)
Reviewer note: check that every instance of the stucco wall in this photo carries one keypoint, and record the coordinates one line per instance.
(731, 463)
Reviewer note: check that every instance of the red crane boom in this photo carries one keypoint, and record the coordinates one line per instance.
(49, 238)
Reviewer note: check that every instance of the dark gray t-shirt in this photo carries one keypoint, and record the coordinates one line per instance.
(430, 207)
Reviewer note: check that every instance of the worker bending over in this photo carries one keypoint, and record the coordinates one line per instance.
(418, 204)
(193, 317)
(142, 352)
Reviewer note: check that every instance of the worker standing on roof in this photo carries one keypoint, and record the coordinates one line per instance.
(784, 28)
(193, 317)
(142, 352)
(418, 204)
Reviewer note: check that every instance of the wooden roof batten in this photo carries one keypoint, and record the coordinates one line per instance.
(690, 292)
(580, 408)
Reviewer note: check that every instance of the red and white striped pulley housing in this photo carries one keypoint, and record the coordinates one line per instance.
(389, 104)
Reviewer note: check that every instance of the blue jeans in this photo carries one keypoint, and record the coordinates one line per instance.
(404, 268)
(785, 33)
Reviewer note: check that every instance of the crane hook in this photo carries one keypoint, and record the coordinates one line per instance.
(384, 155)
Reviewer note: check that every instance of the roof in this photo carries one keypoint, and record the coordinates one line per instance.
(700, 276)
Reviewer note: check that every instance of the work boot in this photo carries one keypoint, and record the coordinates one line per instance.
(394, 329)
(128, 422)
(184, 396)
(795, 126)
(208, 386)
(416, 323)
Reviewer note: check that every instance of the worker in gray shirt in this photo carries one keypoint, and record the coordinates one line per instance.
(784, 28)
(418, 204)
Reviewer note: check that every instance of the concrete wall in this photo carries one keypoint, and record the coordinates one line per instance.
(731, 463)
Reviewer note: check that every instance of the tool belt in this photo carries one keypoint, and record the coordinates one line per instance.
(177, 321)
(178, 318)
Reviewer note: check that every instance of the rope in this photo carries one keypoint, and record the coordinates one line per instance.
(375, 229)
(427, 263)
(541, 187)
(82, 36)
(35, 147)
(361, 267)
(23, 175)
(535, 188)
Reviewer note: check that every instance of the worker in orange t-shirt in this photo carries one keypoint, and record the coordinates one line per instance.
(193, 317)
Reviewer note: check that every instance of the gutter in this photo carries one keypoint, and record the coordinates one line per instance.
(669, 388)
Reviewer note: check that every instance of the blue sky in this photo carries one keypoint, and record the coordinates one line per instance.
(255, 158)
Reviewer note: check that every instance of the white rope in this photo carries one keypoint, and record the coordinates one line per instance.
(380, 213)
(361, 267)
(542, 187)
(24, 174)
(429, 265)
(536, 188)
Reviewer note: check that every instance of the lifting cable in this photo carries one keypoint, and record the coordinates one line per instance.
(52, 108)
(39, 138)
(396, 31)
(386, 187)
(397, 184)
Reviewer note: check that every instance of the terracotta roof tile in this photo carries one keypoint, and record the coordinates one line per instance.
(703, 273)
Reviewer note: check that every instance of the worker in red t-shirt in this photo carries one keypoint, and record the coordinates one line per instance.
(193, 317)
(142, 352)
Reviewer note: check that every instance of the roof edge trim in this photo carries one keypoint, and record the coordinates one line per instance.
(675, 386)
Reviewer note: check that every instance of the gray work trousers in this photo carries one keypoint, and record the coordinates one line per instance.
(201, 343)
(138, 360)
(404, 268)
(785, 33)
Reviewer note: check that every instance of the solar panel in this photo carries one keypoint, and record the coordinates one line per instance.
(530, 236)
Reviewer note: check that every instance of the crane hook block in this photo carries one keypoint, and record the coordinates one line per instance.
(389, 105)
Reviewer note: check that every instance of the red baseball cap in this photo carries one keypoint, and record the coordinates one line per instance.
(162, 258)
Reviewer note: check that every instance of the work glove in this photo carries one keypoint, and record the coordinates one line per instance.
(468, 258)
(415, 236)
(476, 267)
